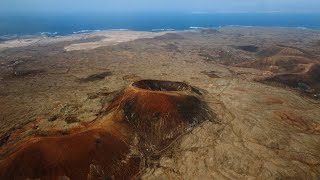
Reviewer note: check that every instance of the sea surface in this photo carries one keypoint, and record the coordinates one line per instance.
(15, 25)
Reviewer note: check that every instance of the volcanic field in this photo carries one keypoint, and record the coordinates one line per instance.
(227, 103)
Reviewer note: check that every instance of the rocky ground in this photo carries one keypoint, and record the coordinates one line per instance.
(268, 121)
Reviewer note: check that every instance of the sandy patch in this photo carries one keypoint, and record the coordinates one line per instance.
(18, 43)
(111, 37)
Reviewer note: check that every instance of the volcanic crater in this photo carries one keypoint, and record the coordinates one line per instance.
(142, 120)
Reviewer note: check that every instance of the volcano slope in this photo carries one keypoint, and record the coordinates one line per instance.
(260, 130)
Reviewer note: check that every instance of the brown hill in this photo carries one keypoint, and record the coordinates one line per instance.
(292, 67)
(307, 81)
(281, 60)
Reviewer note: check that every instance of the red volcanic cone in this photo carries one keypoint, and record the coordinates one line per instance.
(142, 119)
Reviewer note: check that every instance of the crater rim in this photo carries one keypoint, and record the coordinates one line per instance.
(162, 86)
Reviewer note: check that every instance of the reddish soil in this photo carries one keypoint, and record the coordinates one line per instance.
(156, 111)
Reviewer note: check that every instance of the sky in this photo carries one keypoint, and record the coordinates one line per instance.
(195, 6)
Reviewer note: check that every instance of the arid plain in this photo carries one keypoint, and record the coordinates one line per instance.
(261, 84)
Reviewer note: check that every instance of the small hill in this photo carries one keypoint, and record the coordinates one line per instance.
(281, 59)
(307, 82)
(292, 67)
(280, 64)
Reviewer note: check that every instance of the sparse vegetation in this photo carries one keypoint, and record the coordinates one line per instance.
(83, 106)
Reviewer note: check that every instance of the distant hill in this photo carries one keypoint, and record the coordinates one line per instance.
(290, 66)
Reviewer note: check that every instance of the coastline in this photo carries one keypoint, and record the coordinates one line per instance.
(106, 37)
(242, 72)
(112, 36)
(86, 31)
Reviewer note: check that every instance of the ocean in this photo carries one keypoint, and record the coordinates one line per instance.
(13, 25)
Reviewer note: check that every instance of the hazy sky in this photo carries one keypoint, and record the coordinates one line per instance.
(159, 5)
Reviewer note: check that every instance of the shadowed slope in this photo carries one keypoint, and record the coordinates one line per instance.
(161, 110)
(308, 81)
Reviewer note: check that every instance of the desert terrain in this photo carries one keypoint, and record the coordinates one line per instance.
(259, 86)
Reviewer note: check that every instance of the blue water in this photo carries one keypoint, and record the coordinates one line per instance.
(64, 24)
